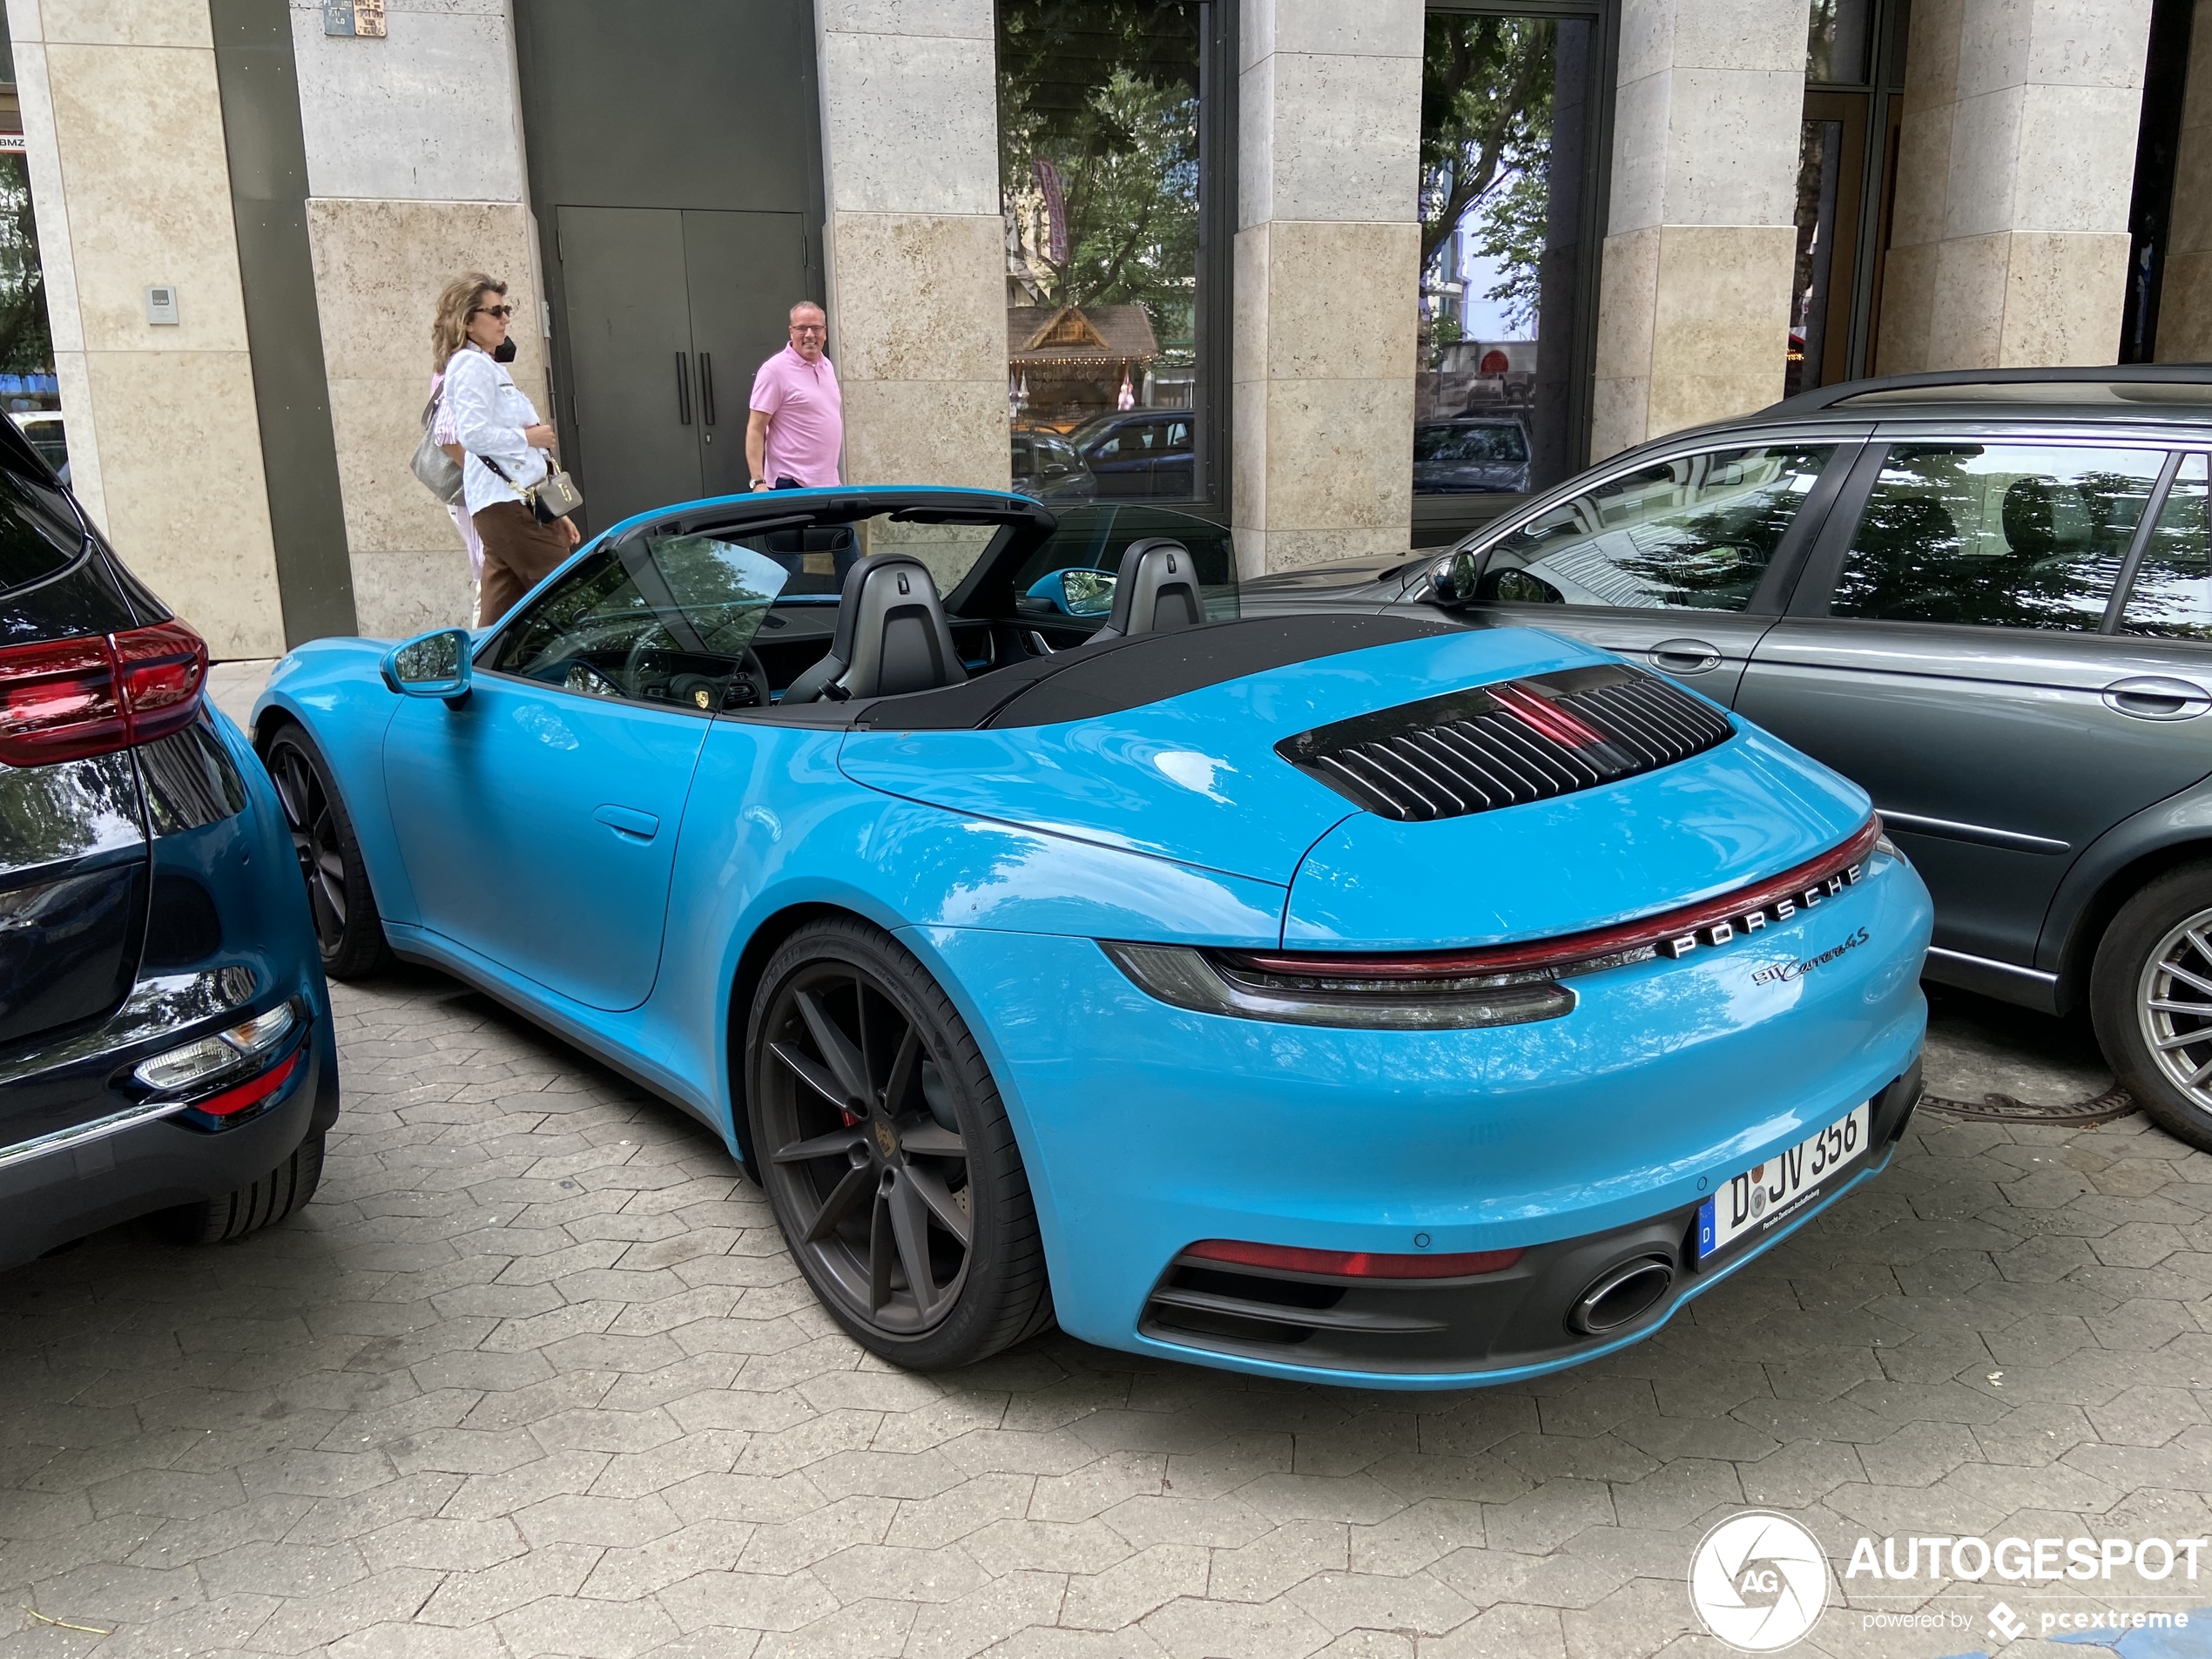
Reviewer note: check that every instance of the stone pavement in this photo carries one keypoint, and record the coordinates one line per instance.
(534, 1376)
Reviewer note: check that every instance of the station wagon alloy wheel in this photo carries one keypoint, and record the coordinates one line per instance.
(887, 1154)
(2175, 1007)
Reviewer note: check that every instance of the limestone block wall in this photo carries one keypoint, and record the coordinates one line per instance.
(415, 173)
(914, 245)
(1694, 297)
(2185, 291)
(2009, 245)
(1326, 267)
(124, 130)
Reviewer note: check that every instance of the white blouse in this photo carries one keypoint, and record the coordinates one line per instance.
(489, 414)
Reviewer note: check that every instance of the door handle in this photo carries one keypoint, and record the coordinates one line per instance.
(629, 823)
(1685, 655)
(706, 387)
(2153, 697)
(682, 391)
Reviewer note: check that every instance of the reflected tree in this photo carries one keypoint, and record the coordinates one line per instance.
(26, 345)
(1486, 140)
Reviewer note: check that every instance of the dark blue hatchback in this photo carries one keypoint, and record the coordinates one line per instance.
(166, 1039)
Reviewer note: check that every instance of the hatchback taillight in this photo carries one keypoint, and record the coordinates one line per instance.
(67, 698)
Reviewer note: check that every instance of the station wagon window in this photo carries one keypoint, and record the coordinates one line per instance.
(2006, 535)
(2172, 595)
(1695, 533)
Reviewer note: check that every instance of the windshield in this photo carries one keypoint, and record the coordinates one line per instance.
(1093, 538)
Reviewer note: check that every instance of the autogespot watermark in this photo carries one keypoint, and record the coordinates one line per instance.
(1760, 1582)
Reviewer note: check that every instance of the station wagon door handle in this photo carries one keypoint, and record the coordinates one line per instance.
(629, 823)
(2154, 697)
(1685, 655)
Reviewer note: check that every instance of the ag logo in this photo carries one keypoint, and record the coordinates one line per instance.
(1759, 1581)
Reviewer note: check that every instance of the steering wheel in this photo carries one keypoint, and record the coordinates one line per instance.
(752, 674)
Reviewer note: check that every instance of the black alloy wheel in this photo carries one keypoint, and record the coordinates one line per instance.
(887, 1153)
(2150, 995)
(347, 927)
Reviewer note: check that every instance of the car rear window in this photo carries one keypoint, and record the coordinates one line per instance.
(40, 534)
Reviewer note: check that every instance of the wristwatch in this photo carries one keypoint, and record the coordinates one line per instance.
(761, 483)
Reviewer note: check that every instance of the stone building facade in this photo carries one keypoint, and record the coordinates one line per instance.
(307, 186)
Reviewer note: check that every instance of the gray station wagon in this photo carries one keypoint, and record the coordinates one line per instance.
(1987, 596)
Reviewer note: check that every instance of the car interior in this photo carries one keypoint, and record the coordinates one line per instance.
(844, 599)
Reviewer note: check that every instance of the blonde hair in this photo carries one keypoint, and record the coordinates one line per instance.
(449, 327)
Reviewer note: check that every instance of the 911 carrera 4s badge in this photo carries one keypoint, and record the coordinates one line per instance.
(1782, 973)
(1729, 928)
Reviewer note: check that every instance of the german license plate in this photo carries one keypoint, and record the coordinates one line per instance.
(1753, 1203)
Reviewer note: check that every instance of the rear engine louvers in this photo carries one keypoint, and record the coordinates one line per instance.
(1508, 744)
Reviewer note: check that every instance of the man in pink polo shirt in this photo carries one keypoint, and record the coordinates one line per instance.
(797, 422)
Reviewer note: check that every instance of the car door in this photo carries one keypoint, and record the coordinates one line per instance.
(1121, 459)
(1953, 649)
(1681, 564)
(1175, 469)
(538, 818)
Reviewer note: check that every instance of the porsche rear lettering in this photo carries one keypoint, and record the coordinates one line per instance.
(1729, 928)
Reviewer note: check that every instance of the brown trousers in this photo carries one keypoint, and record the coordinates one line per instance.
(519, 553)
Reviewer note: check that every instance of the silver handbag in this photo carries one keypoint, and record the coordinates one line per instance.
(555, 495)
(440, 473)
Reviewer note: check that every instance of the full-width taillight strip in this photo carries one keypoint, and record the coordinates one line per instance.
(1794, 886)
(65, 699)
(1351, 1264)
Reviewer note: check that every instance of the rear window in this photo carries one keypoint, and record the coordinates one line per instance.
(40, 534)
(1497, 446)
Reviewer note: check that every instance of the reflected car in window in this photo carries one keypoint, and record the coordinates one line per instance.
(1470, 457)
(1984, 597)
(1051, 940)
(1047, 467)
(1140, 453)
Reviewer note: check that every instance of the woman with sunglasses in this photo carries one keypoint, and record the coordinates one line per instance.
(504, 446)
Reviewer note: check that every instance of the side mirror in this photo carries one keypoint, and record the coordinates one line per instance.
(431, 665)
(1078, 591)
(1452, 579)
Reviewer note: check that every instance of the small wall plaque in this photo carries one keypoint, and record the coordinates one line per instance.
(362, 17)
(161, 304)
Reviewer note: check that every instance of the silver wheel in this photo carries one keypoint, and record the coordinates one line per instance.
(2174, 1006)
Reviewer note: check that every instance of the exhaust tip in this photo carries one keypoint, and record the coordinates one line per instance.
(1621, 1294)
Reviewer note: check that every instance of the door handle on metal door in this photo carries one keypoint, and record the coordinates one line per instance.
(629, 823)
(2153, 697)
(1685, 655)
(706, 387)
(682, 390)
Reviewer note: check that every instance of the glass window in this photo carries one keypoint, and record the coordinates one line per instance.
(2006, 535)
(656, 618)
(1506, 105)
(1692, 534)
(1099, 182)
(1093, 538)
(2172, 595)
(1837, 38)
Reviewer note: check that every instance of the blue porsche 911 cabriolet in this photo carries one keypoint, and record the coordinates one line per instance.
(1332, 996)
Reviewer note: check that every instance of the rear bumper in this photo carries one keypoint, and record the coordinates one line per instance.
(80, 1187)
(1146, 1128)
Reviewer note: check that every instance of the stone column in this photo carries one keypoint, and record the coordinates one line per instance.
(1327, 273)
(2009, 244)
(1694, 300)
(2185, 290)
(914, 245)
(438, 189)
(119, 100)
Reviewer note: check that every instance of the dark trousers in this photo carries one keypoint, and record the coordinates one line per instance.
(519, 553)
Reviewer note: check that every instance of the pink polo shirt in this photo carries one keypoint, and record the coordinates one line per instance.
(806, 418)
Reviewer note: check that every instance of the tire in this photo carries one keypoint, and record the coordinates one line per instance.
(880, 1134)
(2152, 974)
(264, 1204)
(349, 930)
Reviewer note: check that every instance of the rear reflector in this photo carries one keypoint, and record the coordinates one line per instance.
(1352, 1264)
(251, 1092)
(66, 699)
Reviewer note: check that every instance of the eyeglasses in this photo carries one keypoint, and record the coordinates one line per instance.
(493, 311)
(808, 328)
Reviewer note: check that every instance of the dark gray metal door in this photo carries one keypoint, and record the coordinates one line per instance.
(629, 352)
(744, 272)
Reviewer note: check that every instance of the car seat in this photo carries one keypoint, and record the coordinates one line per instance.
(1158, 588)
(892, 636)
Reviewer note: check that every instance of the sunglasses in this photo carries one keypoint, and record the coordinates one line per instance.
(493, 311)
